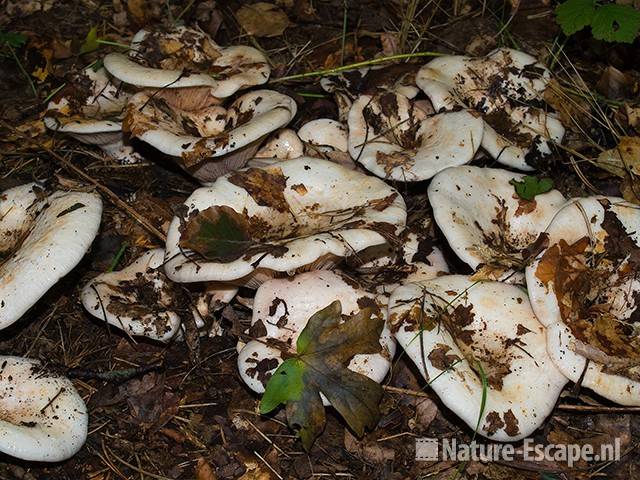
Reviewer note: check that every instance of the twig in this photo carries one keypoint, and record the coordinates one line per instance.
(597, 409)
(405, 391)
(113, 375)
(353, 66)
(106, 191)
(24, 72)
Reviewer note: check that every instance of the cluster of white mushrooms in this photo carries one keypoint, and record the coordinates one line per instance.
(551, 288)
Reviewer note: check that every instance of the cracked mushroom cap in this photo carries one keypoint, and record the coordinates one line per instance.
(585, 287)
(392, 139)
(90, 110)
(247, 120)
(43, 417)
(137, 299)
(453, 328)
(483, 219)
(301, 213)
(281, 310)
(43, 239)
(185, 57)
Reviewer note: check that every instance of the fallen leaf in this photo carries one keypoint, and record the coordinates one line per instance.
(531, 186)
(265, 185)
(370, 451)
(218, 233)
(204, 471)
(90, 42)
(262, 19)
(324, 349)
(622, 159)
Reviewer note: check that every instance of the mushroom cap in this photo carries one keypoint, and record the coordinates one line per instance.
(514, 135)
(90, 109)
(451, 324)
(325, 132)
(502, 77)
(522, 136)
(184, 50)
(283, 144)
(136, 299)
(585, 287)
(392, 139)
(300, 213)
(412, 258)
(43, 417)
(247, 121)
(48, 245)
(281, 310)
(482, 217)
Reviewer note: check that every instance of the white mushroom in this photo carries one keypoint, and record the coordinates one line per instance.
(301, 213)
(246, 122)
(90, 110)
(283, 144)
(485, 222)
(43, 239)
(413, 257)
(281, 310)
(461, 334)
(503, 86)
(325, 134)
(585, 287)
(185, 57)
(137, 299)
(392, 139)
(43, 418)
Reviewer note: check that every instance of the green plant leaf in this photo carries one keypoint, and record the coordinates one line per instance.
(615, 23)
(13, 39)
(530, 186)
(217, 233)
(90, 42)
(324, 349)
(574, 15)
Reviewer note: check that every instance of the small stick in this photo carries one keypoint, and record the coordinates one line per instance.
(113, 375)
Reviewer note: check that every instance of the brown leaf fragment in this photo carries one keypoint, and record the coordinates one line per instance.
(265, 185)
(441, 359)
(262, 19)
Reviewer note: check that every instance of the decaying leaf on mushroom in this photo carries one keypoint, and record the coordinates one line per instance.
(301, 214)
(90, 109)
(211, 141)
(394, 139)
(281, 309)
(43, 418)
(474, 340)
(585, 288)
(486, 223)
(44, 235)
(506, 86)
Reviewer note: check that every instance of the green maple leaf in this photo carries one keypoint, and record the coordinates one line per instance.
(324, 349)
(615, 23)
(530, 186)
(217, 233)
(574, 15)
